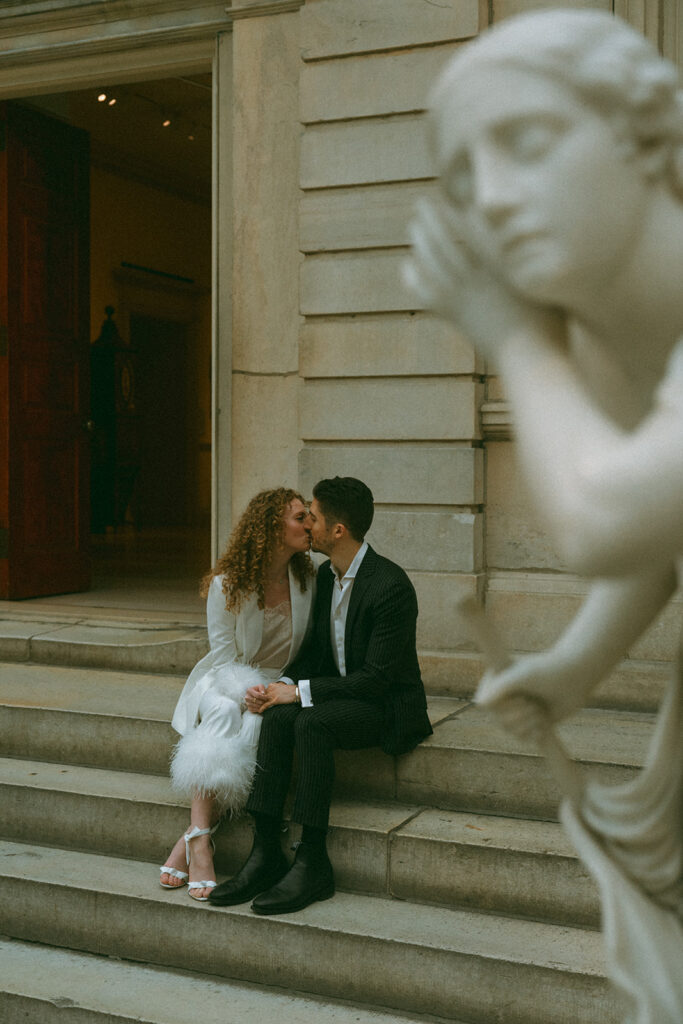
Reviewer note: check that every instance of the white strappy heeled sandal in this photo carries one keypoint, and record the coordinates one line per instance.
(196, 831)
(174, 873)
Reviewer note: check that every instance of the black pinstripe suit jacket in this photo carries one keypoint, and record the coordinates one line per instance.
(379, 646)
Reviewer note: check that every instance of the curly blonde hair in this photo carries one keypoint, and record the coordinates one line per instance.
(245, 561)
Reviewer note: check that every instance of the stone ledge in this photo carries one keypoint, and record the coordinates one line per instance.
(259, 9)
(117, 645)
(496, 421)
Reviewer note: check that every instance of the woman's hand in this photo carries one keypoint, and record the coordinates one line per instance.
(277, 693)
(533, 692)
(448, 277)
(254, 697)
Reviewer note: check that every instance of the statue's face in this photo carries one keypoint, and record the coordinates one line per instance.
(541, 183)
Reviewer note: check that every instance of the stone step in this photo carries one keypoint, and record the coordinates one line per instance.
(471, 763)
(419, 959)
(511, 866)
(138, 645)
(141, 642)
(634, 685)
(120, 720)
(43, 985)
(111, 719)
(88, 716)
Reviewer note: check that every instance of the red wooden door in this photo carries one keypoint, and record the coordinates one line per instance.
(44, 355)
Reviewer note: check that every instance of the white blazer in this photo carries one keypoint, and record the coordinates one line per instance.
(235, 639)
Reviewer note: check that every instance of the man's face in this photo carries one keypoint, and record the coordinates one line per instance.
(541, 183)
(322, 536)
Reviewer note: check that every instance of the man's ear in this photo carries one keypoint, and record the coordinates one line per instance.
(340, 531)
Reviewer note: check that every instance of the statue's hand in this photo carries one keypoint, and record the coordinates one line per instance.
(446, 276)
(536, 690)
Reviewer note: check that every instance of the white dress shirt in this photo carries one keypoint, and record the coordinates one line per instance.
(339, 609)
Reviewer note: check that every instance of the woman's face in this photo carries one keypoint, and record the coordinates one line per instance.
(542, 185)
(294, 535)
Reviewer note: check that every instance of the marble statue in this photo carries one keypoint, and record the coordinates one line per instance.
(555, 244)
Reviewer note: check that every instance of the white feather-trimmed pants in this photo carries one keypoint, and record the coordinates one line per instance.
(218, 756)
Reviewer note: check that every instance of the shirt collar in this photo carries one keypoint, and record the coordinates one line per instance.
(352, 570)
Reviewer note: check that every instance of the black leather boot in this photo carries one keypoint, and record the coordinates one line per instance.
(310, 878)
(265, 865)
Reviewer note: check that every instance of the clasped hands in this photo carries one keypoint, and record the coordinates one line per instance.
(259, 698)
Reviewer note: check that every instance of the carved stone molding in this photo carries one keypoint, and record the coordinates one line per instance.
(257, 9)
(76, 30)
(496, 422)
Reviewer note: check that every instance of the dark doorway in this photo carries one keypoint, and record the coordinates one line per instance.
(44, 355)
(160, 352)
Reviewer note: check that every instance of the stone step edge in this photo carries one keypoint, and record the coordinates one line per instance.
(421, 960)
(447, 673)
(58, 981)
(359, 915)
(516, 867)
(96, 783)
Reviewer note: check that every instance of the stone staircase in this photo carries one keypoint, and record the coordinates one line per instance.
(459, 898)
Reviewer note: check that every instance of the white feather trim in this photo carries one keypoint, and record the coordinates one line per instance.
(234, 680)
(205, 764)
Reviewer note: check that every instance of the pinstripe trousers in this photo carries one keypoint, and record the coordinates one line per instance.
(313, 733)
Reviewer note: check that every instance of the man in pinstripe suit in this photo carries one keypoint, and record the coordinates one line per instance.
(356, 683)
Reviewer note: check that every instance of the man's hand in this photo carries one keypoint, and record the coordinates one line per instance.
(277, 693)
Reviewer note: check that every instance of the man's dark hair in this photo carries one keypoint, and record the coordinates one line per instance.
(343, 499)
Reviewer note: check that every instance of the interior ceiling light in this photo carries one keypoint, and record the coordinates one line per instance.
(167, 123)
(102, 97)
(112, 101)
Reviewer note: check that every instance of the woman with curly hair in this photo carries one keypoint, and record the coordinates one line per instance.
(259, 599)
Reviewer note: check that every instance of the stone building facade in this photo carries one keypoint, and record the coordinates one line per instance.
(321, 365)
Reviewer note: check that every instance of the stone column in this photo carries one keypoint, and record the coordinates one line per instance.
(221, 362)
(265, 276)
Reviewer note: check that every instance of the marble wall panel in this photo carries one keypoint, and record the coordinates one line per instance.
(368, 150)
(419, 539)
(506, 8)
(383, 345)
(389, 409)
(354, 282)
(265, 172)
(365, 86)
(335, 27)
(265, 435)
(440, 626)
(400, 474)
(361, 217)
(531, 610)
(514, 538)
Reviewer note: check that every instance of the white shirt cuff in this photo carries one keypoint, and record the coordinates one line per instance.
(286, 679)
(305, 693)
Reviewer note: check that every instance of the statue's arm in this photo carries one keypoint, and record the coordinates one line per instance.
(610, 499)
(614, 615)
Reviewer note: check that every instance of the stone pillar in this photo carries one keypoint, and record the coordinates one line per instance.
(265, 276)
(221, 363)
